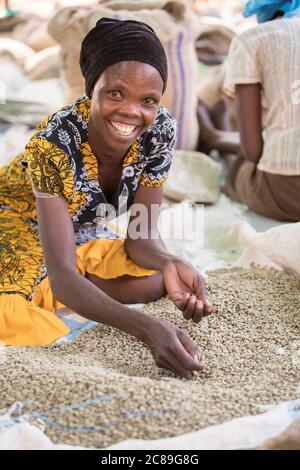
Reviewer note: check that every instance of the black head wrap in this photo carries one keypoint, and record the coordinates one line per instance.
(112, 41)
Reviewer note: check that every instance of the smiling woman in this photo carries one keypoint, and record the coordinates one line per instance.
(112, 147)
(123, 108)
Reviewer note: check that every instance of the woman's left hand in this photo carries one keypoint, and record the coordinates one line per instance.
(186, 288)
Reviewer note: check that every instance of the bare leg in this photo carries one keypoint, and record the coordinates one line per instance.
(212, 138)
(222, 120)
(220, 115)
(131, 290)
(234, 163)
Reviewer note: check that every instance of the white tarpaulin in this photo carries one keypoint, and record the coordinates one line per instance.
(241, 433)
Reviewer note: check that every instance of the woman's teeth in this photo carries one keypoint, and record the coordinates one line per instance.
(122, 129)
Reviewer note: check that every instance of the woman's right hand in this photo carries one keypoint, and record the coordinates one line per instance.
(172, 348)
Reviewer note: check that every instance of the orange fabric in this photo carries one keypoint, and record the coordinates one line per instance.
(34, 323)
(108, 260)
(23, 323)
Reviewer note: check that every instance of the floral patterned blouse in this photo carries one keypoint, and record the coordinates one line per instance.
(61, 162)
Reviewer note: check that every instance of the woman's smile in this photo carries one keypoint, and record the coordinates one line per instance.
(122, 129)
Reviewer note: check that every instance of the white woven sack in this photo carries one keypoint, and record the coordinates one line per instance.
(193, 176)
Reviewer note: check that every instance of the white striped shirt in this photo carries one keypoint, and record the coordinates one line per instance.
(270, 54)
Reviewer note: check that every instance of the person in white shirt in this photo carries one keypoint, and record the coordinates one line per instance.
(263, 71)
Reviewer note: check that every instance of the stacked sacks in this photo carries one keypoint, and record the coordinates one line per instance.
(25, 39)
(176, 26)
(218, 32)
(33, 31)
(35, 65)
(43, 64)
(13, 58)
(15, 50)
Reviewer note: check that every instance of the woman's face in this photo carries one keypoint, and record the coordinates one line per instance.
(125, 102)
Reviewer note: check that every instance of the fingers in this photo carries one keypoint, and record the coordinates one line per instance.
(209, 309)
(187, 343)
(199, 311)
(175, 367)
(194, 309)
(201, 292)
(177, 352)
(186, 288)
(185, 352)
(181, 300)
(181, 357)
(191, 307)
(199, 287)
(189, 310)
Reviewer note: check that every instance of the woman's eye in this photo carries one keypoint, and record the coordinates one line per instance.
(114, 93)
(150, 101)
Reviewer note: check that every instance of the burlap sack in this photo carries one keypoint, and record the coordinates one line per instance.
(8, 23)
(220, 33)
(44, 64)
(193, 176)
(177, 28)
(218, 7)
(216, 31)
(16, 50)
(34, 33)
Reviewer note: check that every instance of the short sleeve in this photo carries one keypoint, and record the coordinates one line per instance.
(160, 152)
(242, 65)
(45, 163)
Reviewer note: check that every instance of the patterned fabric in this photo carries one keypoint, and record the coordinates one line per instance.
(269, 54)
(21, 255)
(62, 163)
(58, 161)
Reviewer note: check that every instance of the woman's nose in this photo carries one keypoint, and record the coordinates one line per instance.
(131, 109)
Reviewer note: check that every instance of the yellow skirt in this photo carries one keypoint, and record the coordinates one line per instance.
(34, 322)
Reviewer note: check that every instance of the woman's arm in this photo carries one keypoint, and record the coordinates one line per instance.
(68, 286)
(164, 340)
(183, 282)
(248, 102)
(149, 252)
